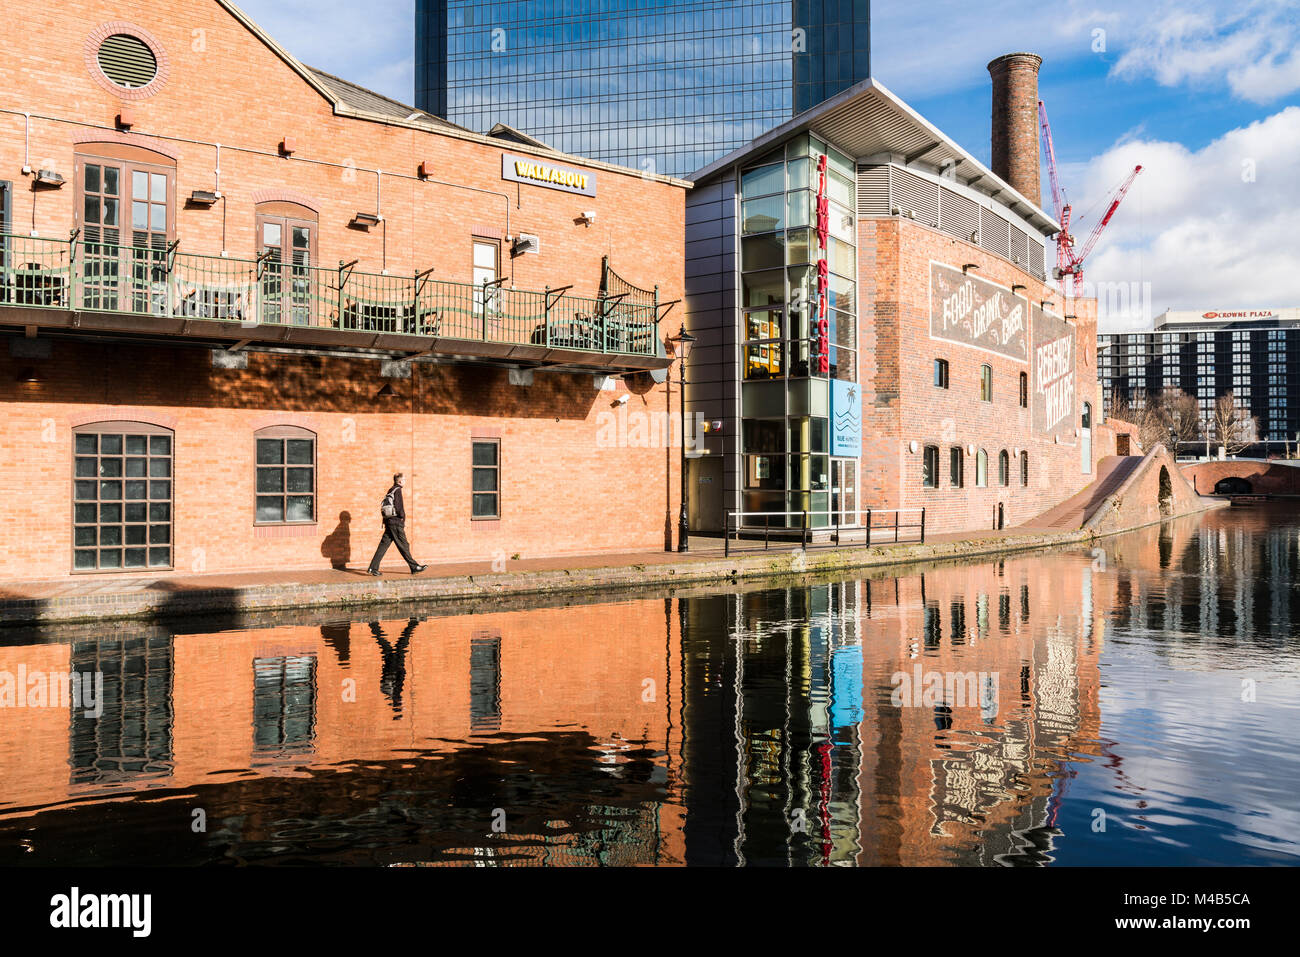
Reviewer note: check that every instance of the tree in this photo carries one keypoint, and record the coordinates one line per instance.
(1176, 419)
(1231, 427)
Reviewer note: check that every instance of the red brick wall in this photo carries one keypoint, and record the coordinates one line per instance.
(1014, 131)
(901, 404)
(235, 91)
(562, 491)
(1156, 491)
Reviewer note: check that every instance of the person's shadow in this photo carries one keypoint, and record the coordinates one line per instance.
(337, 546)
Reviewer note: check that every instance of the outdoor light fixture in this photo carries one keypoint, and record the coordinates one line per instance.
(970, 450)
(1044, 303)
(47, 177)
(682, 345)
(203, 197)
(975, 236)
(967, 267)
(1015, 286)
(588, 216)
(912, 446)
(365, 220)
(387, 392)
(126, 118)
(29, 376)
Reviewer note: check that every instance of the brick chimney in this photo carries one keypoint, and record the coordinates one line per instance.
(1015, 122)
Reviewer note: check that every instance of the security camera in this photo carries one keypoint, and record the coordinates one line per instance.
(589, 215)
(622, 400)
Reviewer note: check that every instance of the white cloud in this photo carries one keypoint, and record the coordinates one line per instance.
(1211, 227)
(1249, 46)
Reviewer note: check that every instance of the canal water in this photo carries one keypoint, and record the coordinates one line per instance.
(1132, 704)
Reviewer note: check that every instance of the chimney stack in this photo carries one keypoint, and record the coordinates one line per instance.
(1015, 122)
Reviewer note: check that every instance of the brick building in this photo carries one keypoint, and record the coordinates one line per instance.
(875, 326)
(238, 294)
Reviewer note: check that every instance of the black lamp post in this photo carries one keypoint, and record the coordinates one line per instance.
(682, 345)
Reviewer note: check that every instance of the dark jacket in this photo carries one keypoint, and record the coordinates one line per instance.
(398, 507)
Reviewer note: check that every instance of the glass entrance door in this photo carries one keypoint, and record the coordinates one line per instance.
(844, 492)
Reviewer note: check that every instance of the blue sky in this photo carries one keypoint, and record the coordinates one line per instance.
(1205, 94)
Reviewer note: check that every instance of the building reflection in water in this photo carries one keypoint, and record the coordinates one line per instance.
(939, 717)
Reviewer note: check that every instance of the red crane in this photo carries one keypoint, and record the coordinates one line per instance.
(1069, 259)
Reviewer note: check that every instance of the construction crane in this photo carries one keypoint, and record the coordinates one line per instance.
(1069, 257)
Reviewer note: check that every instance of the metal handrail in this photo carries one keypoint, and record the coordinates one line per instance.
(40, 272)
(897, 526)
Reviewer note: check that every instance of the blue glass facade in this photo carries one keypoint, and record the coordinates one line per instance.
(657, 85)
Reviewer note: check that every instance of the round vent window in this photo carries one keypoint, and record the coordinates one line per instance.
(127, 61)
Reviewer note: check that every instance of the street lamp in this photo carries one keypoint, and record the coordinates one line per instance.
(682, 346)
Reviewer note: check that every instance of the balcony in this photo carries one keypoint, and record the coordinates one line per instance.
(74, 287)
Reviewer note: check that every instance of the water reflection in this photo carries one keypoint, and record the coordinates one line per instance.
(1126, 704)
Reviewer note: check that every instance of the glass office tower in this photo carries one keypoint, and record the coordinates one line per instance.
(657, 85)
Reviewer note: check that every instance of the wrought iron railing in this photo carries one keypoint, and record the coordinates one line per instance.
(73, 274)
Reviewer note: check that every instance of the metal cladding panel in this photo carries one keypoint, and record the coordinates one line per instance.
(1019, 248)
(916, 196)
(873, 190)
(957, 214)
(994, 232)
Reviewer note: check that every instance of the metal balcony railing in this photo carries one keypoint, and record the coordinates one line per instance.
(73, 274)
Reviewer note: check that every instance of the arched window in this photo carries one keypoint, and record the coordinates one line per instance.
(124, 208)
(981, 469)
(285, 475)
(986, 383)
(1024, 469)
(286, 234)
(121, 497)
(1004, 468)
(1024, 390)
(930, 467)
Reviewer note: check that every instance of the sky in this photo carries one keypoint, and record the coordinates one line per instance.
(1204, 94)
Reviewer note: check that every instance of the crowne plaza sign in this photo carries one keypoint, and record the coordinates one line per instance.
(526, 169)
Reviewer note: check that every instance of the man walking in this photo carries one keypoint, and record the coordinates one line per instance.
(394, 513)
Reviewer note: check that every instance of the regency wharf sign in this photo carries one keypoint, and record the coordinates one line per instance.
(976, 313)
(522, 169)
(1052, 369)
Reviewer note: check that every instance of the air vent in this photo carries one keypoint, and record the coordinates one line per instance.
(873, 190)
(915, 195)
(957, 214)
(127, 61)
(1019, 245)
(994, 233)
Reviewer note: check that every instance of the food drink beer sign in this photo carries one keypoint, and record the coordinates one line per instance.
(973, 312)
(1054, 403)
